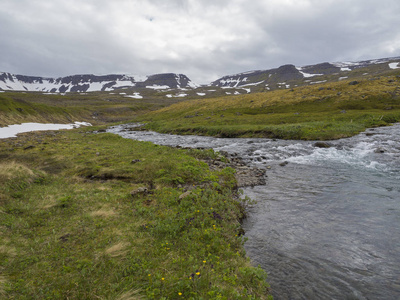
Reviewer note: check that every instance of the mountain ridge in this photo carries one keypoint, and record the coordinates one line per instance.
(283, 77)
(90, 82)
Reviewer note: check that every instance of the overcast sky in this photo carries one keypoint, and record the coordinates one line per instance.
(203, 39)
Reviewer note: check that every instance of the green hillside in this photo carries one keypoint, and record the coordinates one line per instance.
(324, 111)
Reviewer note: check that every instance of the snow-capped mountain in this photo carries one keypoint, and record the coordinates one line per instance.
(172, 85)
(289, 76)
(91, 83)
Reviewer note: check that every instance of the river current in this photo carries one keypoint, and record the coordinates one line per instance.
(327, 223)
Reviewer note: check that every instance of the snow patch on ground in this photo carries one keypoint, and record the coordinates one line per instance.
(316, 82)
(135, 96)
(394, 65)
(176, 96)
(201, 94)
(343, 78)
(13, 130)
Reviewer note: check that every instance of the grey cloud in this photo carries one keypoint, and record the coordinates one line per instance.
(202, 39)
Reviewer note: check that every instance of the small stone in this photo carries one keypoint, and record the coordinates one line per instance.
(282, 164)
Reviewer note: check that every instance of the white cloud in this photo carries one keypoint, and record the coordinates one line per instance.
(202, 39)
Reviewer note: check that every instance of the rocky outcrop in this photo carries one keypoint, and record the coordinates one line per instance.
(324, 69)
(245, 175)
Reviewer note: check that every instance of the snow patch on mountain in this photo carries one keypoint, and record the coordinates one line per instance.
(93, 83)
(394, 65)
(157, 87)
(306, 75)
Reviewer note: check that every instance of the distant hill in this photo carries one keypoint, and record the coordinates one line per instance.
(290, 76)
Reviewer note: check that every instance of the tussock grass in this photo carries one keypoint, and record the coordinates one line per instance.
(131, 295)
(8, 251)
(2, 284)
(119, 249)
(12, 171)
(104, 212)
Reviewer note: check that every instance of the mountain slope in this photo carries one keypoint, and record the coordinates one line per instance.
(289, 76)
(91, 83)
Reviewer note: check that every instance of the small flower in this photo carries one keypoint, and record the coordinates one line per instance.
(162, 279)
(180, 294)
(204, 261)
(149, 275)
(198, 273)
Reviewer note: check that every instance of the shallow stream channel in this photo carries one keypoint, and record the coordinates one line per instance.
(327, 223)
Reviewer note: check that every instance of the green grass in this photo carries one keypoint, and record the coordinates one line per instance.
(71, 229)
(325, 111)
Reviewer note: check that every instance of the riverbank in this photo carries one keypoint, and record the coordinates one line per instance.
(326, 205)
(87, 215)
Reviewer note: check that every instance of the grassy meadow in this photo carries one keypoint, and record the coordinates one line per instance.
(316, 112)
(96, 216)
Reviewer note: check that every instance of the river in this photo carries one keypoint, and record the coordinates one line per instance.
(327, 223)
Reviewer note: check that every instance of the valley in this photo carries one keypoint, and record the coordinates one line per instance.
(86, 214)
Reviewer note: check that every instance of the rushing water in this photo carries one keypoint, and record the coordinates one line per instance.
(327, 224)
